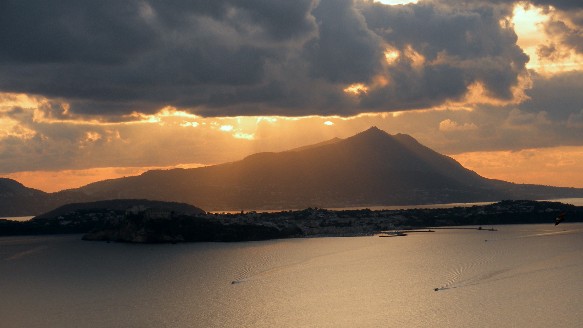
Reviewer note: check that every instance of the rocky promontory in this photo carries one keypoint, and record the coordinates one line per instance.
(142, 221)
(317, 222)
(140, 228)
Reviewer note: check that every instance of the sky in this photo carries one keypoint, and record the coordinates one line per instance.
(91, 90)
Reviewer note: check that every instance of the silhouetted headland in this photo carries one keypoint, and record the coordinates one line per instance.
(141, 221)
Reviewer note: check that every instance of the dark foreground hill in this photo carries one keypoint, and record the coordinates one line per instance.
(85, 217)
(370, 168)
(141, 221)
(121, 206)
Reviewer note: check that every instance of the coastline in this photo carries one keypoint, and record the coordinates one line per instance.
(154, 225)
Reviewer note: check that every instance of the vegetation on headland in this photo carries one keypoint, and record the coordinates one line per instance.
(163, 222)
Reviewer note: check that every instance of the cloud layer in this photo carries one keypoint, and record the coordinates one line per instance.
(230, 57)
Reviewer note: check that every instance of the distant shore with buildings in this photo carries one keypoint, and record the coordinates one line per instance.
(141, 221)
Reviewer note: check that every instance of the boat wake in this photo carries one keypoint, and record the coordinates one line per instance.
(466, 275)
(258, 272)
(510, 259)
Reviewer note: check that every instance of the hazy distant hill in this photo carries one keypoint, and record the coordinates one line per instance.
(370, 168)
(18, 200)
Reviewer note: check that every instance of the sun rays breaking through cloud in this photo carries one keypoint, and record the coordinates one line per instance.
(164, 84)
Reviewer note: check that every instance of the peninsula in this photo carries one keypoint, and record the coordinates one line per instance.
(141, 221)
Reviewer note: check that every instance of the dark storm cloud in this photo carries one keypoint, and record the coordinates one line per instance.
(36, 32)
(559, 4)
(279, 19)
(345, 50)
(559, 95)
(566, 26)
(476, 47)
(245, 57)
(118, 57)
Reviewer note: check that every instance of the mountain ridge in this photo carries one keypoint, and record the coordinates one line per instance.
(367, 169)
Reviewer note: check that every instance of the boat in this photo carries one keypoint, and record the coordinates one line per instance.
(393, 234)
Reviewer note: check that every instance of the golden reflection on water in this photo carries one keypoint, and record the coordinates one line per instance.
(525, 275)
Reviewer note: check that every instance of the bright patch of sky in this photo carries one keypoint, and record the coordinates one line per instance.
(396, 2)
(529, 25)
(226, 128)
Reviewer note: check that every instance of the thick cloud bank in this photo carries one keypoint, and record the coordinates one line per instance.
(249, 57)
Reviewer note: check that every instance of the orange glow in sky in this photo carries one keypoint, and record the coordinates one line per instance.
(528, 24)
(86, 146)
(356, 89)
(559, 166)
(391, 56)
(51, 181)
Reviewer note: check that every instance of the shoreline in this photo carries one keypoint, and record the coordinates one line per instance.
(156, 225)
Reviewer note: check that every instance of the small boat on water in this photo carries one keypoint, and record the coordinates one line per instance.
(393, 234)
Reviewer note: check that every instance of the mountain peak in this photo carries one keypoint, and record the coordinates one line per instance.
(373, 130)
(370, 168)
(10, 183)
(371, 135)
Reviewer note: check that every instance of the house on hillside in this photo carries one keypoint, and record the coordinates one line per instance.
(158, 213)
(150, 213)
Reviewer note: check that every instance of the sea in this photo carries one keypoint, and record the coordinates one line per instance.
(516, 276)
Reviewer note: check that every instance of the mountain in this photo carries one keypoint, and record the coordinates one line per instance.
(18, 200)
(370, 168)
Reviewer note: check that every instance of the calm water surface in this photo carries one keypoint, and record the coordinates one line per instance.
(518, 276)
